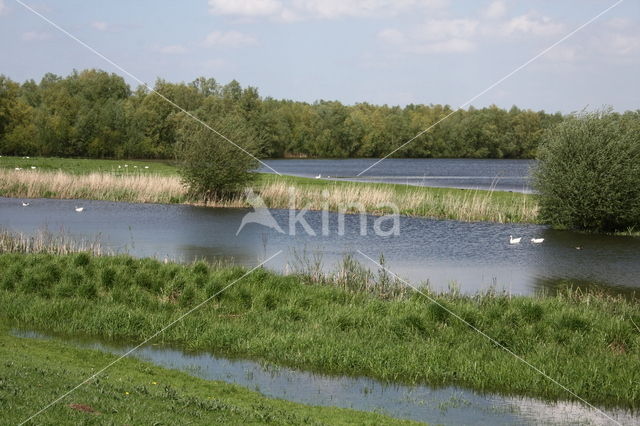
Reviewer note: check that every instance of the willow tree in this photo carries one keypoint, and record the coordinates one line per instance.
(216, 164)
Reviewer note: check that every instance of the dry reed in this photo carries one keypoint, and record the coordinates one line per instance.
(44, 241)
(350, 197)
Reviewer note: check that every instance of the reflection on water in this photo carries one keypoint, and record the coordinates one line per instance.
(449, 405)
(474, 255)
(502, 175)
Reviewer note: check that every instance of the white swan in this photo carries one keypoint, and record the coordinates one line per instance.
(25, 204)
(79, 209)
(514, 240)
(318, 177)
(537, 240)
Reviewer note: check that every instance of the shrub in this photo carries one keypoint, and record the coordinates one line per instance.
(588, 175)
(212, 166)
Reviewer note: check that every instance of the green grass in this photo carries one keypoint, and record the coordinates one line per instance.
(79, 166)
(35, 372)
(588, 342)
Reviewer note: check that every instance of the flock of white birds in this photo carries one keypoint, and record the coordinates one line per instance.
(519, 239)
(76, 208)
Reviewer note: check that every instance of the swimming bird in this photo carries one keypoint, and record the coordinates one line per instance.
(537, 240)
(318, 177)
(579, 248)
(25, 204)
(514, 240)
(79, 209)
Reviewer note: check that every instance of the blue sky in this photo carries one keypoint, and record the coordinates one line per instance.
(379, 51)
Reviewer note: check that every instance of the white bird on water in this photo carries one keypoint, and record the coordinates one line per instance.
(25, 204)
(537, 240)
(79, 209)
(318, 177)
(514, 240)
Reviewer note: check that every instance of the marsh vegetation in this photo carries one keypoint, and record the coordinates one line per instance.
(348, 324)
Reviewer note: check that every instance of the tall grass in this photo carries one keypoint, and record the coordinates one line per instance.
(465, 205)
(589, 342)
(99, 186)
(280, 192)
(44, 241)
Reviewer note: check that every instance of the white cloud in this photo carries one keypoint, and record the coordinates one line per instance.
(100, 25)
(454, 45)
(35, 36)
(563, 54)
(228, 39)
(292, 10)
(497, 9)
(619, 23)
(435, 36)
(245, 7)
(441, 29)
(530, 24)
(623, 45)
(173, 49)
(331, 9)
(391, 35)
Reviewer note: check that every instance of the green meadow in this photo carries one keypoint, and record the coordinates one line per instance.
(357, 325)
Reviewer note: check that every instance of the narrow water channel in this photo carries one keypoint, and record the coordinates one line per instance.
(447, 405)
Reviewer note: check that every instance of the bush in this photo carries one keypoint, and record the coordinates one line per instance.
(588, 175)
(213, 167)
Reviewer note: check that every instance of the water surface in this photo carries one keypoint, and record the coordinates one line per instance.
(447, 405)
(504, 175)
(474, 256)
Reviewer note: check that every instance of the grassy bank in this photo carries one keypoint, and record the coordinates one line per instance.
(35, 372)
(588, 342)
(79, 166)
(102, 180)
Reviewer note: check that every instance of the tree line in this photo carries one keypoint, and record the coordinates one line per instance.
(96, 114)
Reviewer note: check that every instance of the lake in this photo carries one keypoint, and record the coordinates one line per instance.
(473, 255)
(503, 175)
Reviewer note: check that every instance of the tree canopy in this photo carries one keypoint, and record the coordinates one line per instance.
(93, 113)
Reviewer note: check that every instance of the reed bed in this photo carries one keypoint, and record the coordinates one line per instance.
(44, 241)
(282, 193)
(135, 188)
(464, 205)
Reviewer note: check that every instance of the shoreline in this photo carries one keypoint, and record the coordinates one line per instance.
(275, 191)
(43, 369)
(328, 325)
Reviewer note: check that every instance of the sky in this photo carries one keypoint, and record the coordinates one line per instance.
(379, 51)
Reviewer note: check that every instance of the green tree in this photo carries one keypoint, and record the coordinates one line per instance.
(212, 167)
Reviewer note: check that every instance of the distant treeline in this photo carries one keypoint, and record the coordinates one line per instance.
(93, 113)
